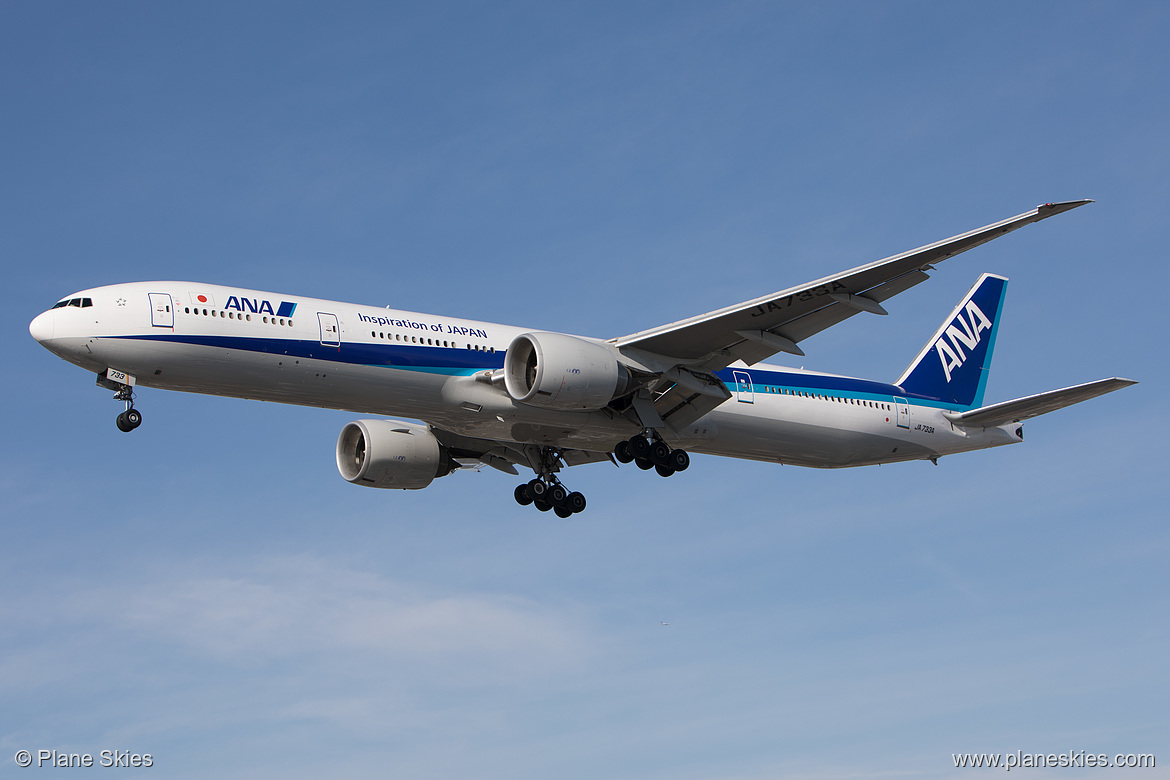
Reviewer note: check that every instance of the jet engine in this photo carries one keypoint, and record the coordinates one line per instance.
(563, 372)
(391, 454)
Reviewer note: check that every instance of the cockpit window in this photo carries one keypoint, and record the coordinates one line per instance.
(81, 303)
(59, 304)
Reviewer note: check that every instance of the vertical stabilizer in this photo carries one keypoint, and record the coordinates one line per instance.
(953, 365)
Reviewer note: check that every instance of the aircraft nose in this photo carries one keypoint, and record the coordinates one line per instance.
(41, 328)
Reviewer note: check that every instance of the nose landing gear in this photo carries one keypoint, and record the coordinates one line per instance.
(131, 418)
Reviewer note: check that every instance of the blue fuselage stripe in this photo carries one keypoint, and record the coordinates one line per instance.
(461, 361)
(435, 360)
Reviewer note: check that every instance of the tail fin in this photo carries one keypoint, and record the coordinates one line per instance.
(953, 365)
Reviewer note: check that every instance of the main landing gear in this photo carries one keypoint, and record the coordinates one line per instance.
(652, 453)
(546, 491)
(131, 418)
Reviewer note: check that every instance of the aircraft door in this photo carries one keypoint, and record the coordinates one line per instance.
(903, 412)
(330, 329)
(162, 315)
(743, 387)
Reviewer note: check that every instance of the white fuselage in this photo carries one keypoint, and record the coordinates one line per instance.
(370, 360)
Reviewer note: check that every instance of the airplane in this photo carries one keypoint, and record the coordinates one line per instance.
(503, 396)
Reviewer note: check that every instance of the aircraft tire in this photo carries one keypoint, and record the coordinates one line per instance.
(664, 471)
(643, 464)
(563, 511)
(660, 454)
(557, 495)
(523, 498)
(639, 447)
(575, 502)
(543, 506)
(679, 460)
(123, 426)
(537, 489)
(622, 452)
(133, 418)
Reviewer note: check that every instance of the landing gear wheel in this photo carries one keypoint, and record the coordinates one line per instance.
(660, 453)
(622, 452)
(557, 495)
(537, 489)
(543, 506)
(133, 417)
(639, 447)
(522, 496)
(664, 471)
(575, 502)
(643, 464)
(563, 511)
(123, 425)
(679, 460)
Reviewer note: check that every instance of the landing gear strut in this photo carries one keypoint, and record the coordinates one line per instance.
(546, 491)
(131, 418)
(652, 453)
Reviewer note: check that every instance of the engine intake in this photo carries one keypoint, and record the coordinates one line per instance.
(390, 454)
(562, 372)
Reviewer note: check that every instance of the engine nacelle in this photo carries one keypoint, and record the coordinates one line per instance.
(562, 372)
(390, 454)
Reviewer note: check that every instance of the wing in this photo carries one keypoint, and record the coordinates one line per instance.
(754, 330)
(1035, 405)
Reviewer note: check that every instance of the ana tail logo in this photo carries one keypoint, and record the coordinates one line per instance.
(962, 332)
(952, 366)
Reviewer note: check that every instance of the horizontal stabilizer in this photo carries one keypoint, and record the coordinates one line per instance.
(1035, 405)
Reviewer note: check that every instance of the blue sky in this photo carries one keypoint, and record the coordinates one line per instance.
(210, 591)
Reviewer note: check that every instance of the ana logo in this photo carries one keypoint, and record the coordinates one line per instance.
(259, 306)
(963, 332)
(201, 298)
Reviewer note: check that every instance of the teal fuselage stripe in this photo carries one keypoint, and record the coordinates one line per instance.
(771, 382)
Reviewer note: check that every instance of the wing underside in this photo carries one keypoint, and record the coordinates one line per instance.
(757, 329)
